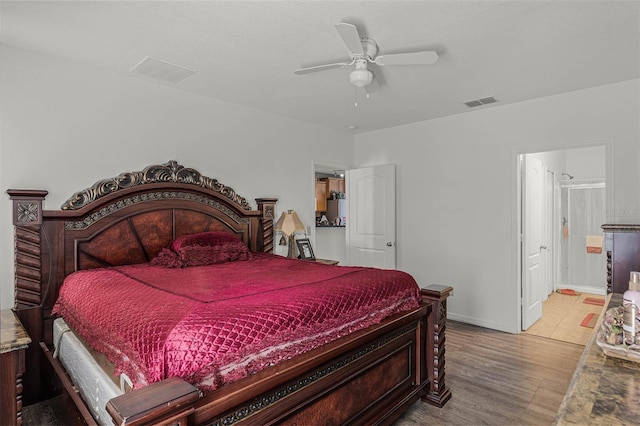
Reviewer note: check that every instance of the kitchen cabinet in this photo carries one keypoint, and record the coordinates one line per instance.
(321, 196)
(324, 188)
(334, 185)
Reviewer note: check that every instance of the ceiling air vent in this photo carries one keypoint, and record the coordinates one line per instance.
(472, 104)
(482, 101)
(162, 70)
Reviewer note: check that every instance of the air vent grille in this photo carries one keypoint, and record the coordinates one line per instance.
(472, 104)
(162, 70)
(482, 101)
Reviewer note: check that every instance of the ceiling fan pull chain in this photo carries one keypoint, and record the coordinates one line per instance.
(356, 96)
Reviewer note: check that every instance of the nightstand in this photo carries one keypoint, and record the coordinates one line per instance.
(327, 261)
(14, 341)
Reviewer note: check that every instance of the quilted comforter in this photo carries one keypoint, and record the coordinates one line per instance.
(215, 324)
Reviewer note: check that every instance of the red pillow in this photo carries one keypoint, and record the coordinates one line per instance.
(208, 255)
(168, 258)
(205, 248)
(203, 239)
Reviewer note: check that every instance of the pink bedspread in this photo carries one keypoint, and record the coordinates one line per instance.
(215, 324)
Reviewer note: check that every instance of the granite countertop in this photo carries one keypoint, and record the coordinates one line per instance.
(604, 390)
(12, 334)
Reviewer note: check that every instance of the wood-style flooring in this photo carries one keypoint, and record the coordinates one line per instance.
(499, 378)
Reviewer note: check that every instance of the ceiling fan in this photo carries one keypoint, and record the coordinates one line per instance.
(364, 51)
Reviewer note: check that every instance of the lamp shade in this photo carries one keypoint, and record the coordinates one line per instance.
(289, 223)
(360, 77)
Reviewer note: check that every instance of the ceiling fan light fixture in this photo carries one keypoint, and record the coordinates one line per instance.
(364, 51)
(361, 78)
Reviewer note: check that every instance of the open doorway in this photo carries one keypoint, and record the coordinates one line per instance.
(553, 252)
(329, 239)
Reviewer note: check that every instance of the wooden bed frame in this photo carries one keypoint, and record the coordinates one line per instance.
(370, 377)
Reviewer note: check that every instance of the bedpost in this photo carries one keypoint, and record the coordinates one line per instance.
(27, 222)
(436, 295)
(267, 207)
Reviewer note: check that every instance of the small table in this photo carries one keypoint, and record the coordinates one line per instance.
(14, 341)
(327, 261)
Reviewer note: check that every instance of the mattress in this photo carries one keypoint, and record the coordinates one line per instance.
(95, 386)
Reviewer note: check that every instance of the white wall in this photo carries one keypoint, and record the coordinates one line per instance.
(457, 188)
(331, 243)
(66, 125)
(586, 163)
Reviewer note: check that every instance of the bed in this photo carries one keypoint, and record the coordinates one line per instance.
(369, 375)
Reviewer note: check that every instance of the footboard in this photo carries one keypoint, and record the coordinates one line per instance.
(369, 379)
(372, 377)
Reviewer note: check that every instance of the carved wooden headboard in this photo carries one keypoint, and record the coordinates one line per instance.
(123, 220)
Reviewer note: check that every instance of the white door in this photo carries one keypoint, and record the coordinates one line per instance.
(371, 222)
(533, 279)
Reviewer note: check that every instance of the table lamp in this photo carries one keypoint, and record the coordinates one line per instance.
(288, 224)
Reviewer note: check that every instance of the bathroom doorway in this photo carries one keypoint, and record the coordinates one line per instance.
(573, 203)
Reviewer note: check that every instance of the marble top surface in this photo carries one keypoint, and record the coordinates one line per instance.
(604, 390)
(12, 334)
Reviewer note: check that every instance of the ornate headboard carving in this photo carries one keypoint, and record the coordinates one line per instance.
(170, 171)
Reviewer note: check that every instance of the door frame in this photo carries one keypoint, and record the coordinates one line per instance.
(516, 229)
(549, 235)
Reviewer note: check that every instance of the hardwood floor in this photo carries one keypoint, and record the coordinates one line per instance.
(496, 379)
(499, 379)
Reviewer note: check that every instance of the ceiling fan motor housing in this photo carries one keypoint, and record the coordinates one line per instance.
(370, 48)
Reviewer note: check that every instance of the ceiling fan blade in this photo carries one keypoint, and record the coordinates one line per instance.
(321, 68)
(427, 57)
(351, 38)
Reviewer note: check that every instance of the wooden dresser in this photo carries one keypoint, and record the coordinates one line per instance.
(14, 342)
(622, 245)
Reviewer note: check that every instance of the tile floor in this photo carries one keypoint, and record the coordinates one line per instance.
(561, 318)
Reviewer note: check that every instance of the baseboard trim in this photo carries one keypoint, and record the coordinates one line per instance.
(507, 328)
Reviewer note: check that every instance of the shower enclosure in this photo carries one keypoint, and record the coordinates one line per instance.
(582, 212)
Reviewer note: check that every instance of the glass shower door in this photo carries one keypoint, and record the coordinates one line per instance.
(583, 214)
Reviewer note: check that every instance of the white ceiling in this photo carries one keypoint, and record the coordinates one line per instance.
(245, 52)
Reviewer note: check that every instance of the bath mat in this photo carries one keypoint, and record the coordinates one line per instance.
(589, 321)
(593, 301)
(568, 292)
